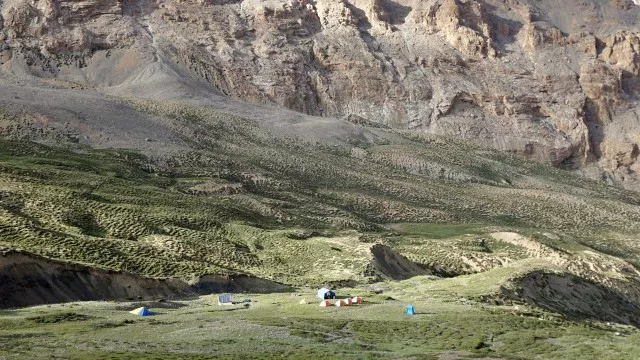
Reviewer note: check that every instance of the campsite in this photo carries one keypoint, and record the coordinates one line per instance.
(447, 324)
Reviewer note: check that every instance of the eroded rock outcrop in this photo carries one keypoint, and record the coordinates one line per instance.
(622, 51)
(466, 27)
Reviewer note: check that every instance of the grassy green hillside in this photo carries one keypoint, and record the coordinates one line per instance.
(505, 257)
(241, 200)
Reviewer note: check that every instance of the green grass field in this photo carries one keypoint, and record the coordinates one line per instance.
(277, 325)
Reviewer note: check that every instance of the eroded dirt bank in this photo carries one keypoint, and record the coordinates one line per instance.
(27, 280)
(389, 263)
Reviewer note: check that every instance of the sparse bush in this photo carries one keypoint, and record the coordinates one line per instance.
(84, 220)
(58, 318)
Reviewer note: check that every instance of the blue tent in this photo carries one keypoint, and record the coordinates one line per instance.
(141, 311)
(409, 310)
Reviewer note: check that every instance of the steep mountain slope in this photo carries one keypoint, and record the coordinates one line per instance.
(210, 193)
(557, 81)
(182, 140)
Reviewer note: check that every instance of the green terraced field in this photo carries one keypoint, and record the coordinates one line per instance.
(225, 204)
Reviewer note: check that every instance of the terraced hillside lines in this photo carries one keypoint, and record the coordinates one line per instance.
(311, 170)
(381, 209)
(225, 203)
(455, 256)
(418, 160)
(157, 232)
(306, 260)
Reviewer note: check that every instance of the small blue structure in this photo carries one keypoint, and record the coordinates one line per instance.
(409, 310)
(225, 299)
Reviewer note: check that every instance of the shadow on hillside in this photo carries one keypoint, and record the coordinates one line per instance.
(209, 284)
(575, 297)
(28, 279)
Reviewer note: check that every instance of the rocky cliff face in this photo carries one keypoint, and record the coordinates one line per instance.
(556, 81)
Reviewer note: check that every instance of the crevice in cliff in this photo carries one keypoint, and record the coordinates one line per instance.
(595, 127)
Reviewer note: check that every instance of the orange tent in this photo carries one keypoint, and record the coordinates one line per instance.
(325, 303)
(341, 303)
(357, 300)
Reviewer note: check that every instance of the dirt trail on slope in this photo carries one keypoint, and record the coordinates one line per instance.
(532, 247)
(27, 280)
(585, 263)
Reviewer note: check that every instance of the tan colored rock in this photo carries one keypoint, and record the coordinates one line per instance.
(46, 8)
(624, 4)
(77, 41)
(585, 42)
(533, 37)
(464, 25)
(335, 14)
(425, 16)
(377, 13)
(623, 153)
(19, 16)
(510, 74)
(623, 51)
(602, 90)
(599, 81)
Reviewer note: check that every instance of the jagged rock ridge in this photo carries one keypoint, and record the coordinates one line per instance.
(556, 81)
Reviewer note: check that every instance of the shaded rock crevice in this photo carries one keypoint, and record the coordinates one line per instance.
(390, 264)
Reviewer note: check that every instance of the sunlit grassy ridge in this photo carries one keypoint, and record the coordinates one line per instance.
(232, 200)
